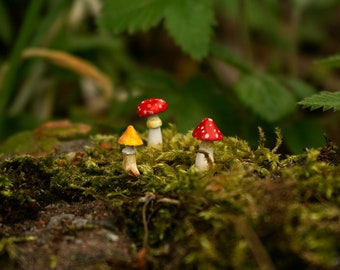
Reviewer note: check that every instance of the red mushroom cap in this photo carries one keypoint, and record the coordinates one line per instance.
(151, 106)
(207, 131)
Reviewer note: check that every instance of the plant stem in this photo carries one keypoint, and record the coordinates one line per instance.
(42, 37)
(294, 37)
(26, 30)
(48, 21)
(148, 198)
(245, 33)
(255, 245)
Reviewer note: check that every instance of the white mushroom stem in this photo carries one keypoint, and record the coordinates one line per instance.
(129, 160)
(154, 124)
(205, 156)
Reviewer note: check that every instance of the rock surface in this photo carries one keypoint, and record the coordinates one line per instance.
(69, 236)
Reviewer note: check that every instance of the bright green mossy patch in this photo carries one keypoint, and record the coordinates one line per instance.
(253, 209)
(27, 142)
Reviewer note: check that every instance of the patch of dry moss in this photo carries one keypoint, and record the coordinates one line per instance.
(253, 209)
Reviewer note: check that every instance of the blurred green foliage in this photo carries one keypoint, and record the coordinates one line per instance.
(243, 63)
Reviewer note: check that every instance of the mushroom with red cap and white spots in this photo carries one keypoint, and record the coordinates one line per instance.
(130, 139)
(150, 108)
(207, 132)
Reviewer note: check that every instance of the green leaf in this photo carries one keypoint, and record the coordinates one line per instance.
(190, 23)
(265, 96)
(301, 4)
(303, 133)
(6, 32)
(325, 100)
(132, 15)
(299, 88)
(229, 57)
(200, 99)
(154, 81)
(332, 61)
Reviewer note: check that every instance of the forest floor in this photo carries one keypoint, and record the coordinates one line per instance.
(70, 205)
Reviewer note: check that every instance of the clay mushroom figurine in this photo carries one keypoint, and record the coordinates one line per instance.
(150, 108)
(130, 139)
(207, 132)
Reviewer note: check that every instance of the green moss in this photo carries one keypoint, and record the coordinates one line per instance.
(7, 245)
(253, 209)
(24, 187)
(27, 142)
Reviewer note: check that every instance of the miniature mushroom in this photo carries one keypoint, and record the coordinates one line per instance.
(130, 139)
(150, 108)
(207, 132)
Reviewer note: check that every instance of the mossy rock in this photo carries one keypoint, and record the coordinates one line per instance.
(254, 209)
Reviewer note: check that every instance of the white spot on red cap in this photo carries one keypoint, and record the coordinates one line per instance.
(151, 106)
(207, 130)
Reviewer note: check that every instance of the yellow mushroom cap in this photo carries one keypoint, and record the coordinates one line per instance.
(130, 137)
